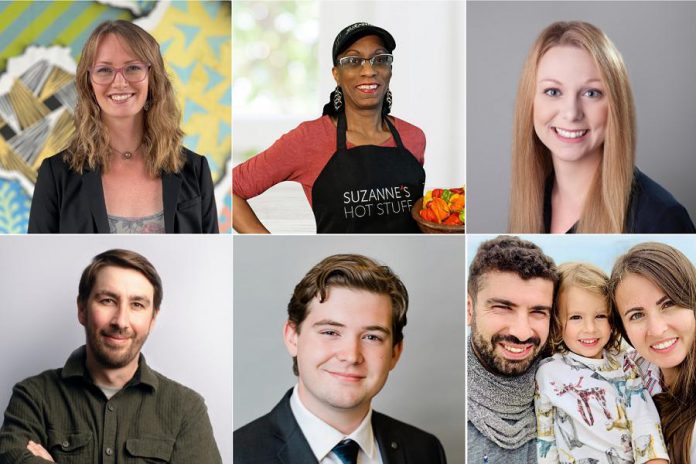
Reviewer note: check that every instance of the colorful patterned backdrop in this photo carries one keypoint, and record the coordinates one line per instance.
(40, 43)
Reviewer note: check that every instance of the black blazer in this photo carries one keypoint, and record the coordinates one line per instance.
(65, 201)
(651, 210)
(276, 438)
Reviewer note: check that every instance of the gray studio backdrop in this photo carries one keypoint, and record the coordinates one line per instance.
(426, 389)
(191, 342)
(656, 40)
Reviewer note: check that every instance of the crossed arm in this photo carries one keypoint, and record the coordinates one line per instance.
(23, 432)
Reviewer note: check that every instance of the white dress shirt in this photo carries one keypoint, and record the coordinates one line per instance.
(322, 437)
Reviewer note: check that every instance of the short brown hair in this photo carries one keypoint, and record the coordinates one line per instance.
(590, 278)
(507, 253)
(120, 258)
(354, 272)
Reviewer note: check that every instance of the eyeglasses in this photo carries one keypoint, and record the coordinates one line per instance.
(103, 74)
(382, 61)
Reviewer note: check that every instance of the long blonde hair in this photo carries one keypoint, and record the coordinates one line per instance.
(607, 201)
(162, 137)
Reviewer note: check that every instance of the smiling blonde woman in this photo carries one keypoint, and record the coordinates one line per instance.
(126, 170)
(574, 143)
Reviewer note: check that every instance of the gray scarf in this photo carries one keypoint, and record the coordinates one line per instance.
(501, 408)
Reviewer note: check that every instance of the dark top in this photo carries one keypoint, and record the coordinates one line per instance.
(68, 202)
(152, 419)
(276, 438)
(651, 209)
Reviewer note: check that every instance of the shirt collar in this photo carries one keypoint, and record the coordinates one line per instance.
(322, 437)
(75, 367)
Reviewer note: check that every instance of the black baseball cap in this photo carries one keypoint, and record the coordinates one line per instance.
(357, 31)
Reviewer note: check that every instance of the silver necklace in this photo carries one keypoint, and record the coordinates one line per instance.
(126, 154)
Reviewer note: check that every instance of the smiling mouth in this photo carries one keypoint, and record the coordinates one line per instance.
(664, 345)
(570, 134)
(347, 377)
(120, 97)
(367, 88)
(516, 351)
(588, 341)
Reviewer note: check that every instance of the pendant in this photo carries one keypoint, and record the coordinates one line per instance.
(127, 155)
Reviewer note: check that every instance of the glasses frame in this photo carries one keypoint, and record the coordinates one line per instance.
(341, 61)
(120, 70)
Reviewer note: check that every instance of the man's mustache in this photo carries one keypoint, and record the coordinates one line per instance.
(497, 338)
(117, 332)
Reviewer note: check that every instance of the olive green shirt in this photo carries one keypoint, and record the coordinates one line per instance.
(152, 419)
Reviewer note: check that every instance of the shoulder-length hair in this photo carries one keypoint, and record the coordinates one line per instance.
(607, 201)
(592, 279)
(672, 272)
(162, 139)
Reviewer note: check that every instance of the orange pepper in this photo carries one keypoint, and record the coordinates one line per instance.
(456, 202)
(440, 208)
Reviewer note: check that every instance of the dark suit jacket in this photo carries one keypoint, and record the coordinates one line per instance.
(68, 202)
(276, 438)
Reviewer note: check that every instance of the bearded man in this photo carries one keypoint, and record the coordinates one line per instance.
(510, 292)
(106, 405)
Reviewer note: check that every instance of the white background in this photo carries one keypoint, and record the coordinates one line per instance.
(191, 342)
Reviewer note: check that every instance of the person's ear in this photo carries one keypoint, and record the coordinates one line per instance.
(290, 334)
(334, 71)
(81, 312)
(469, 309)
(396, 354)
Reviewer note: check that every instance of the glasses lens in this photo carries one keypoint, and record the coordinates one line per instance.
(351, 61)
(135, 72)
(382, 60)
(103, 74)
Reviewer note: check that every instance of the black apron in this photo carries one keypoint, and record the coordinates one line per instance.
(367, 189)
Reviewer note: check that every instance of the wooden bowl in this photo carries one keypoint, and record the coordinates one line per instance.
(428, 227)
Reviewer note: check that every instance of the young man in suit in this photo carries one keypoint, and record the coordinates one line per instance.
(345, 333)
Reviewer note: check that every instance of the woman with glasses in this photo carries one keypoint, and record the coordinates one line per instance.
(573, 150)
(125, 170)
(360, 169)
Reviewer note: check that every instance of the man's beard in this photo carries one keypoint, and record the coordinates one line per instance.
(109, 357)
(494, 362)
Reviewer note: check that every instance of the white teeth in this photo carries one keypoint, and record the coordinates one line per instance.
(589, 341)
(368, 87)
(665, 344)
(121, 97)
(570, 134)
(513, 349)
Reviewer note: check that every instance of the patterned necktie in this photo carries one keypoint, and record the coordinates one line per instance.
(347, 451)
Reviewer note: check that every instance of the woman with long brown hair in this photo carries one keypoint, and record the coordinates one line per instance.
(653, 290)
(574, 142)
(126, 170)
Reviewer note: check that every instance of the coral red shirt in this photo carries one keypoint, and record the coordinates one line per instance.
(301, 154)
